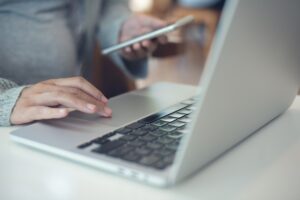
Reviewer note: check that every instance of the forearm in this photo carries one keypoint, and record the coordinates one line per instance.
(9, 94)
(114, 13)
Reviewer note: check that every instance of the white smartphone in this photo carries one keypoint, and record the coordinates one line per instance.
(181, 22)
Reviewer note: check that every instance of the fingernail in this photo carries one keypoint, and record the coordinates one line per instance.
(91, 107)
(107, 111)
(146, 43)
(63, 111)
(104, 99)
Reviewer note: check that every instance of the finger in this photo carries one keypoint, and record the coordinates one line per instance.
(80, 101)
(137, 47)
(81, 83)
(140, 52)
(129, 53)
(47, 88)
(150, 46)
(101, 108)
(42, 112)
(163, 39)
(128, 50)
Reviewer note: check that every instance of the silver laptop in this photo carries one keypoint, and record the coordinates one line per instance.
(164, 133)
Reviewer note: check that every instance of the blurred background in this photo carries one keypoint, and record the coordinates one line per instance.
(180, 61)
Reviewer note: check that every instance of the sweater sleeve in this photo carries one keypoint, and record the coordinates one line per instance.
(9, 94)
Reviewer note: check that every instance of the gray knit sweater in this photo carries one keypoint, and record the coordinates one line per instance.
(9, 93)
(40, 40)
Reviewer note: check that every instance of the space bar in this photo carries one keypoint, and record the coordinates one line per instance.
(163, 113)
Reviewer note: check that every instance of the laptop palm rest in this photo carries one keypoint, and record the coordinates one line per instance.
(136, 105)
(126, 109)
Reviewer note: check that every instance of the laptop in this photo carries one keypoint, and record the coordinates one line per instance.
(163, 134)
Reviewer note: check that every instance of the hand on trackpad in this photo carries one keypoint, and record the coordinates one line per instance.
(126, 109)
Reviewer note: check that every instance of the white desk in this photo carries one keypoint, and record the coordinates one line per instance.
(265, 166)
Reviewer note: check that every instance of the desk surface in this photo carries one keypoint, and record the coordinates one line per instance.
(265, 166)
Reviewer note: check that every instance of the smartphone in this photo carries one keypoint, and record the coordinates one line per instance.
(151, 35)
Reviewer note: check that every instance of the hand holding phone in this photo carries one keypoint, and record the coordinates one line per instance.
(151, 35)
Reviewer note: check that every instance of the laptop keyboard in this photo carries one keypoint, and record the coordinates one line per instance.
(152, 141)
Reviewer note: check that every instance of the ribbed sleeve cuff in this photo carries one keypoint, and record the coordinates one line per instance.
(8, 99)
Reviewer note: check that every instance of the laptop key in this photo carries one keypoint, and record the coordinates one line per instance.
(177, 115)
(139, 132)
(143, 151)
(148, 138)
(149, 127)
(177, 124)
(120, 151)
(165, 152)
(163, 113)
(116, 136)
(176, 134)
(168, 119)
(158, 133)
(123, 130)
(169, 159)
(167, 128)
(185, 111)
(135, 125)
(185, 120)
(192, 107)
(160, 165)
(165, 140)
(137, 143)
(173, 146)
(103, 139)
(84, 145)
(152, 118)
(108, 135)
(100, 140)
(182, 129)
(128, 137)
(159, 123)
(132, 157)
(149, 160)
(109, 146)
(154, 145)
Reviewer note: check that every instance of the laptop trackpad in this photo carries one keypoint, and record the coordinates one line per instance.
(127, 108)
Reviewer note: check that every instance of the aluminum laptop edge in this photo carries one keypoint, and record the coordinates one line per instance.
(251, 77)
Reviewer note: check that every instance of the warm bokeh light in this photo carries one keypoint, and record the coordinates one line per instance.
(141, 5)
